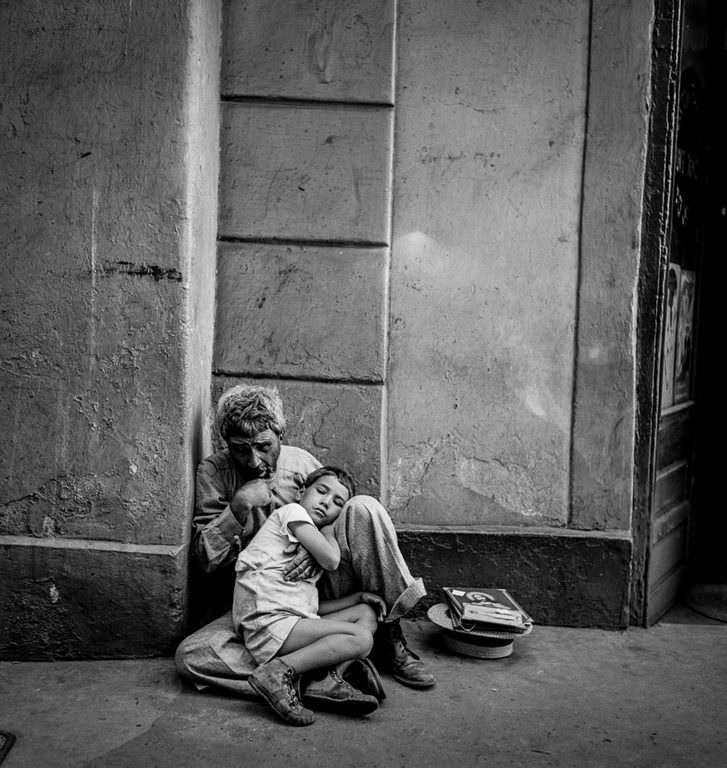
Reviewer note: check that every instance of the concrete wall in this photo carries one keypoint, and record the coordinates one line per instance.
(491, 279)
(491, 104)
(109, 168)
(428, 238)
(515, 260)
(305, 212)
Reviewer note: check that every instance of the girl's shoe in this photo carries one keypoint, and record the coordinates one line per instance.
(275, 682)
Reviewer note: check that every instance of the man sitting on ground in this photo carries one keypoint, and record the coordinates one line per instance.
(231, 505)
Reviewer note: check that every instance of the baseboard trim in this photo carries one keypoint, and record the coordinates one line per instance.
(78, 599)
(563, 578)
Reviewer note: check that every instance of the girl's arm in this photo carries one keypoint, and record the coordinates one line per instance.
(369, 598)
(329, 606)
(320, 543)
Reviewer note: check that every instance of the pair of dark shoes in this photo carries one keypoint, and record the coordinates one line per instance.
(289, 696)
(358, 691)
(392, 654)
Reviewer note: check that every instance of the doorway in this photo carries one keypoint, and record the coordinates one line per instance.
(706, 587)
(686, 525)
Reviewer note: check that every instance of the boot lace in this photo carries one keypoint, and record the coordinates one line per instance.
(291, 693)
(398, 641)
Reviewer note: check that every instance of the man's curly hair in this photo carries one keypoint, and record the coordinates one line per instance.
(246, 410)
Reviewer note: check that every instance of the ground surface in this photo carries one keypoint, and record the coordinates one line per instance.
(566, 697)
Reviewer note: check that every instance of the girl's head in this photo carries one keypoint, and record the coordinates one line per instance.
(326, 491)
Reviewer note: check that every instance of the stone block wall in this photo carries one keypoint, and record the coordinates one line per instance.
(429, 233)
(427, 239)
(305, 212)
(107, 226)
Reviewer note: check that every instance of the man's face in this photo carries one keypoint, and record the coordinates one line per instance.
(256, 456)
(324, 499)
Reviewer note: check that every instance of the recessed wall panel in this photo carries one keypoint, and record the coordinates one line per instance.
(331, 50)
(490, 123)
(305, 172)
(338, 423)
(306, 312)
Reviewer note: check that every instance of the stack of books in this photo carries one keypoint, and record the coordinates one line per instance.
(485, 609)
(480, 621)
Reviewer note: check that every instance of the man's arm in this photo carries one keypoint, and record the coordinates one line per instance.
(225, 517)
(368, 598)
(219, 521)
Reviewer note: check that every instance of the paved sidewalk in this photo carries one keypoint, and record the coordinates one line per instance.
(577, 698)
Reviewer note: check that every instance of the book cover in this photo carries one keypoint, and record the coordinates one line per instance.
(481, 608)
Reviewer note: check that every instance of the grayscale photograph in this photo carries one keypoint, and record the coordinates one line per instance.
(358, 383)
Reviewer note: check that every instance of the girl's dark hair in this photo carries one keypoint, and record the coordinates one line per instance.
(341, 475)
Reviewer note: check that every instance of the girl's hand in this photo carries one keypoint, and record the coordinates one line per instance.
(376, 602)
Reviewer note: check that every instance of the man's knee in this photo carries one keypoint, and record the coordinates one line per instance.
(181, 660)
(362, 508)
(366, 503)
(184, 657)
(197, 651)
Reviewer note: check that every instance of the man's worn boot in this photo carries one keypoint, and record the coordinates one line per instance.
(394, 654)
(334, 694)
(275, 682)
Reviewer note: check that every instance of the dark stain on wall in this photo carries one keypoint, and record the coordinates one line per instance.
(142, 270)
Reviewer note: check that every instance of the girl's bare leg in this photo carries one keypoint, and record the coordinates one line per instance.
(315, 643)
(361, 614)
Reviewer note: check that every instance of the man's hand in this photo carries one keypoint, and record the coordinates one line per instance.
(376, 602)
(253, 494)
(303, 566)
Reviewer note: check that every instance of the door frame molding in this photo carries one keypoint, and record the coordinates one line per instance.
(656, 228)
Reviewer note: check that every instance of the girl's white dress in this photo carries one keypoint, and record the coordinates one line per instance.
(265, 607)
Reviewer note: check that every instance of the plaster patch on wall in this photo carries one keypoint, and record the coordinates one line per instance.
(44, 511)
(407, 476)
(318, 47)
(443, 483)
(88, 410)
(95, 506)
(337, 41)
(507, 483)
(311, 420)
(49, 527)
(34, 364)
